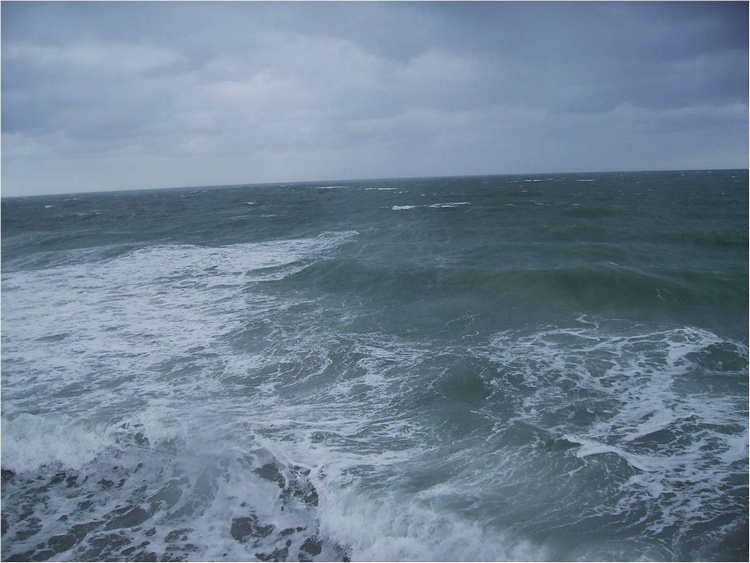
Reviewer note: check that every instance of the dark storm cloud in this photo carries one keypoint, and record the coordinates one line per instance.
(593, 56)
(118, 95)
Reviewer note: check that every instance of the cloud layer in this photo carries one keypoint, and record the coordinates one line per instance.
(99, 96)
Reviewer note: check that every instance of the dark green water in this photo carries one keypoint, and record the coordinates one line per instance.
(479, 368)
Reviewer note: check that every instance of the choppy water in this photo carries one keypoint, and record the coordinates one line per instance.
(484, 368)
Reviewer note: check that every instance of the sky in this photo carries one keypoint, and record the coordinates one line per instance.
(112, 96)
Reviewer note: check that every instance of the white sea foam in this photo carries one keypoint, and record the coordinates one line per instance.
(402, 207)
(129, 359)
(630, 391)
(32, 441)
(208, 501)
(124, 329)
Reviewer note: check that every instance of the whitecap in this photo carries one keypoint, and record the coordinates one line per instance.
(449, 205)
(33, 441)
(590, 448)
(387, 527)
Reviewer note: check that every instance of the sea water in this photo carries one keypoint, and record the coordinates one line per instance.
(539, 367)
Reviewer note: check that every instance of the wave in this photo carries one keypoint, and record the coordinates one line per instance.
(45, 259)
(600, 287)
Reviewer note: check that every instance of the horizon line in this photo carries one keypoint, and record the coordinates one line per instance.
(373, 179)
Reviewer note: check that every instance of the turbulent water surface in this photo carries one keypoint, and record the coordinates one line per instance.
(548, 367)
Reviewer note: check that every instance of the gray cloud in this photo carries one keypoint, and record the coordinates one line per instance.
(129, 95)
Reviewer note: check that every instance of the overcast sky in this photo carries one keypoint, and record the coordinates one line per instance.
(103, 96)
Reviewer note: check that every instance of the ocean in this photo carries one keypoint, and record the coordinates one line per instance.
(519, 367)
